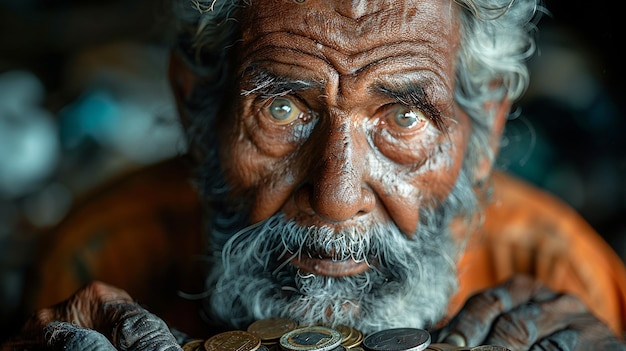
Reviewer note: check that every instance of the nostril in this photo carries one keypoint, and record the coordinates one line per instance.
(368, 200)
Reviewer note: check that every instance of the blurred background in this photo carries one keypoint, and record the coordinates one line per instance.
(84, 98)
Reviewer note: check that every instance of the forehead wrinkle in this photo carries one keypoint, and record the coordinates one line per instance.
(403, 54)
(425, 24)
(416, 20)
(289, 49)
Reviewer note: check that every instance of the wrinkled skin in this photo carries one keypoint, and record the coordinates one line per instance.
(522, 314)
(322, 155)
(97, 317)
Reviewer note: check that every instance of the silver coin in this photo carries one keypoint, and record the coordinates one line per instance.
(398, 339)
(312, 338)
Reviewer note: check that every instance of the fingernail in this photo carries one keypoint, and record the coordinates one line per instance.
(455, 339)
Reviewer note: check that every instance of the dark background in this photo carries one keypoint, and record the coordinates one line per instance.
(89, 76)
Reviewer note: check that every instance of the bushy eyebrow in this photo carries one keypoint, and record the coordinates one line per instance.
(267, 84)
(414, 96)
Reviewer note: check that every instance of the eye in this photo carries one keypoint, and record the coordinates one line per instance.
(406, 118)
(283, 110)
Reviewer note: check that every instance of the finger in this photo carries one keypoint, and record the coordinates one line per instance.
(139, 329)
(571, 339)
(532, 321)
(107, 310)
(583, 332)
(564, 340)
(113, 313)
(68, 337)
(472, 324)
(86, 308)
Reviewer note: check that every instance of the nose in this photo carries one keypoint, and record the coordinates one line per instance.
(339, 191)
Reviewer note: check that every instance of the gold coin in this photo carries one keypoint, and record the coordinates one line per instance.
(234, 340)
(193, 345)
(271, 329)
(355, 339)
(345, 331)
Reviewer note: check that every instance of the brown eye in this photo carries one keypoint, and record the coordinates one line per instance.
(408, 119)
(283, 110)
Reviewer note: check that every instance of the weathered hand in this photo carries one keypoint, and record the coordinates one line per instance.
(96, 317)
(523, 314)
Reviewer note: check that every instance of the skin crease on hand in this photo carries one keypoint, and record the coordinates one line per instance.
(344, 160)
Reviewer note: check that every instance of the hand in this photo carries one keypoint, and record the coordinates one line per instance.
(96, 317)
(523, 314)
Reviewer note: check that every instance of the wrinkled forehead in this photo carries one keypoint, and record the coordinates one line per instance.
(353, 26)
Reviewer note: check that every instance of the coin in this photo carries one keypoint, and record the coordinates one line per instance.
(271, 328)
(355, 339)
(398, 339)
(193, 345)
(345, 331)
(234, 340)
(315, 338)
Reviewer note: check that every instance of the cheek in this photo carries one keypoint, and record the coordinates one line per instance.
(239, 158)
(434, 179)
(446, 161)
(262, 179)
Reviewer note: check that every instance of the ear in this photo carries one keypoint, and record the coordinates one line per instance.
(485, 164)
(183, 82)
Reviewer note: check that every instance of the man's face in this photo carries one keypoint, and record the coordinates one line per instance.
(344, 134)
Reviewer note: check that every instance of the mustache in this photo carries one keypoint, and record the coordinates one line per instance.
(274, 242)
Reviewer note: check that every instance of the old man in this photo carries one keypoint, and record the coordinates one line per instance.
(345, 151)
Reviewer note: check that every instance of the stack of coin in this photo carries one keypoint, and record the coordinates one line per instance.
(233, 340)
(352, 337)
(283, 334)
(271, 329)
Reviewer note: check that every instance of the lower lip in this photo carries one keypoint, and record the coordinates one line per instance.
(330, 268)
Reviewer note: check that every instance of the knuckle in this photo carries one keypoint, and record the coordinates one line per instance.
(100, 292)
(37, 321)
(515, 328)
(494, 300)
(570, 303)
(561, 341)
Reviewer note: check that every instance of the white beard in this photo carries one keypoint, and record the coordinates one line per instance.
(409, 286)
